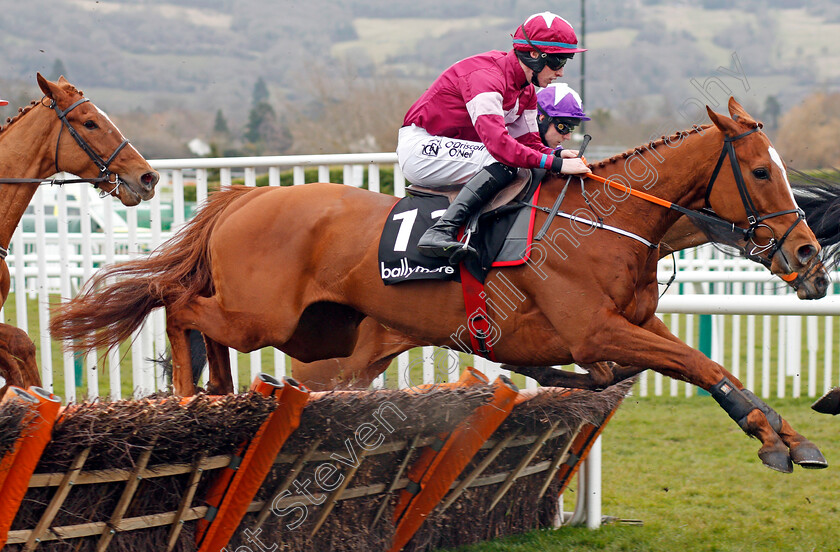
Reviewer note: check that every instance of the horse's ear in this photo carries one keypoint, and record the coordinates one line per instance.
(739, 114)
(724, 123)
(47, 87)
(62, 80)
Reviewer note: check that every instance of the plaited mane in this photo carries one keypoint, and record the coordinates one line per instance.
(650, 146)
(24, 110)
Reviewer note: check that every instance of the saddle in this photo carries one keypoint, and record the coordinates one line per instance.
(501, 232)
(515, 191)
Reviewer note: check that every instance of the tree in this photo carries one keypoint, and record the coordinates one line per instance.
(58, 70)
(809, 133)
(772, 111)
(265, 133)
(220, 125)
(260, 93)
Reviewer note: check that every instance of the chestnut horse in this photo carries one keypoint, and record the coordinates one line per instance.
(31, 150)
(378, 345)
(296, 268)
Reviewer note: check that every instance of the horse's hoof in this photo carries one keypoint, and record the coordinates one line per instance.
(808, 456)
(828, 403)
(777, 460)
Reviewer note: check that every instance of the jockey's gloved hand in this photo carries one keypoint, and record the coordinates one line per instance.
(569, 166)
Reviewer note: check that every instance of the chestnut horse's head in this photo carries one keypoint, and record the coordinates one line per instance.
(750, 187)
(93, 147)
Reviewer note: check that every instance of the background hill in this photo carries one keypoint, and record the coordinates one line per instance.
(338, 75)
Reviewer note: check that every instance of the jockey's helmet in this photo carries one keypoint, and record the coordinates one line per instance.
(551, 36)
(561, 106)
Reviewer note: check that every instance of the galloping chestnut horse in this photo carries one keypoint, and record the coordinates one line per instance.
(378, 345)
(296, 268)
(31, 150)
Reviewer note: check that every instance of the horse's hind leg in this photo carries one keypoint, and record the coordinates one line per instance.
(17, 357)
(218, 359)
(375, 347)
(179, 345)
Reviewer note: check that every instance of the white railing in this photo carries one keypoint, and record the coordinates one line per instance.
(58, 263)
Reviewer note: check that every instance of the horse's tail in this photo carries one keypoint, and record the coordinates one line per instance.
(820, 199)
(118, 298)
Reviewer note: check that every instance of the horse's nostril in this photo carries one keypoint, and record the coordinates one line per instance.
(150, 179)
(822, 284)
(805, 253)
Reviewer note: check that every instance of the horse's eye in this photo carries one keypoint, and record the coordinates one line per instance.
(761, 174)
(90, 125)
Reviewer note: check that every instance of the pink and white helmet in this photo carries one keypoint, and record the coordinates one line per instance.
(546, 32)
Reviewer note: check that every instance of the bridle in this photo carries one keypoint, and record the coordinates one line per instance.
(709, 217)
(755, 219)
(705, 217)
(103, 165)
(106, 174)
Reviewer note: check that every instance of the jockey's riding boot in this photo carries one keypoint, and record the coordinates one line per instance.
(441, 239)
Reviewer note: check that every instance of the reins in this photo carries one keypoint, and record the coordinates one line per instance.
(103, 165)
(707, 215)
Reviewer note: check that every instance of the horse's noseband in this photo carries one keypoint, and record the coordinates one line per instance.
(106, 174)
(753, 216)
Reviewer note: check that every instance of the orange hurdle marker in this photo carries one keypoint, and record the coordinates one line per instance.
(235, 487)
(34, 439)
(470, 376)
(450, 460)
(23, 396)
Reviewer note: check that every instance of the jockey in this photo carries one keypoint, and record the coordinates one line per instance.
(560, 112)
(477, 123)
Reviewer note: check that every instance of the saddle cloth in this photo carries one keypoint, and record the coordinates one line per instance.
(502, 237)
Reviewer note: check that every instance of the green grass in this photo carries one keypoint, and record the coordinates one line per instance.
(692, 477)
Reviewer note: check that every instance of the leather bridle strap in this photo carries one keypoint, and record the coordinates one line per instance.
(101, 164)
(97, 160)
(753, 217)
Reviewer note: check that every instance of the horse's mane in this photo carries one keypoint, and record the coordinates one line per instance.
(653, 144)
(26, 109)
(819, 197)
(21, 112)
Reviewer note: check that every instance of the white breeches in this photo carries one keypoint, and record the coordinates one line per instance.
(432, 161)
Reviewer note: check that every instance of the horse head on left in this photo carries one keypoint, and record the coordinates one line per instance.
(773, 224)
(63, 131)
(94, 148)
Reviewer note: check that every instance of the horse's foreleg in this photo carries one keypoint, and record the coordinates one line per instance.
(802, 451)
(653, 346)
(600, 376)
(218, 359)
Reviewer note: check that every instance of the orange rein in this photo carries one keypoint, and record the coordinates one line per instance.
(636, 193)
